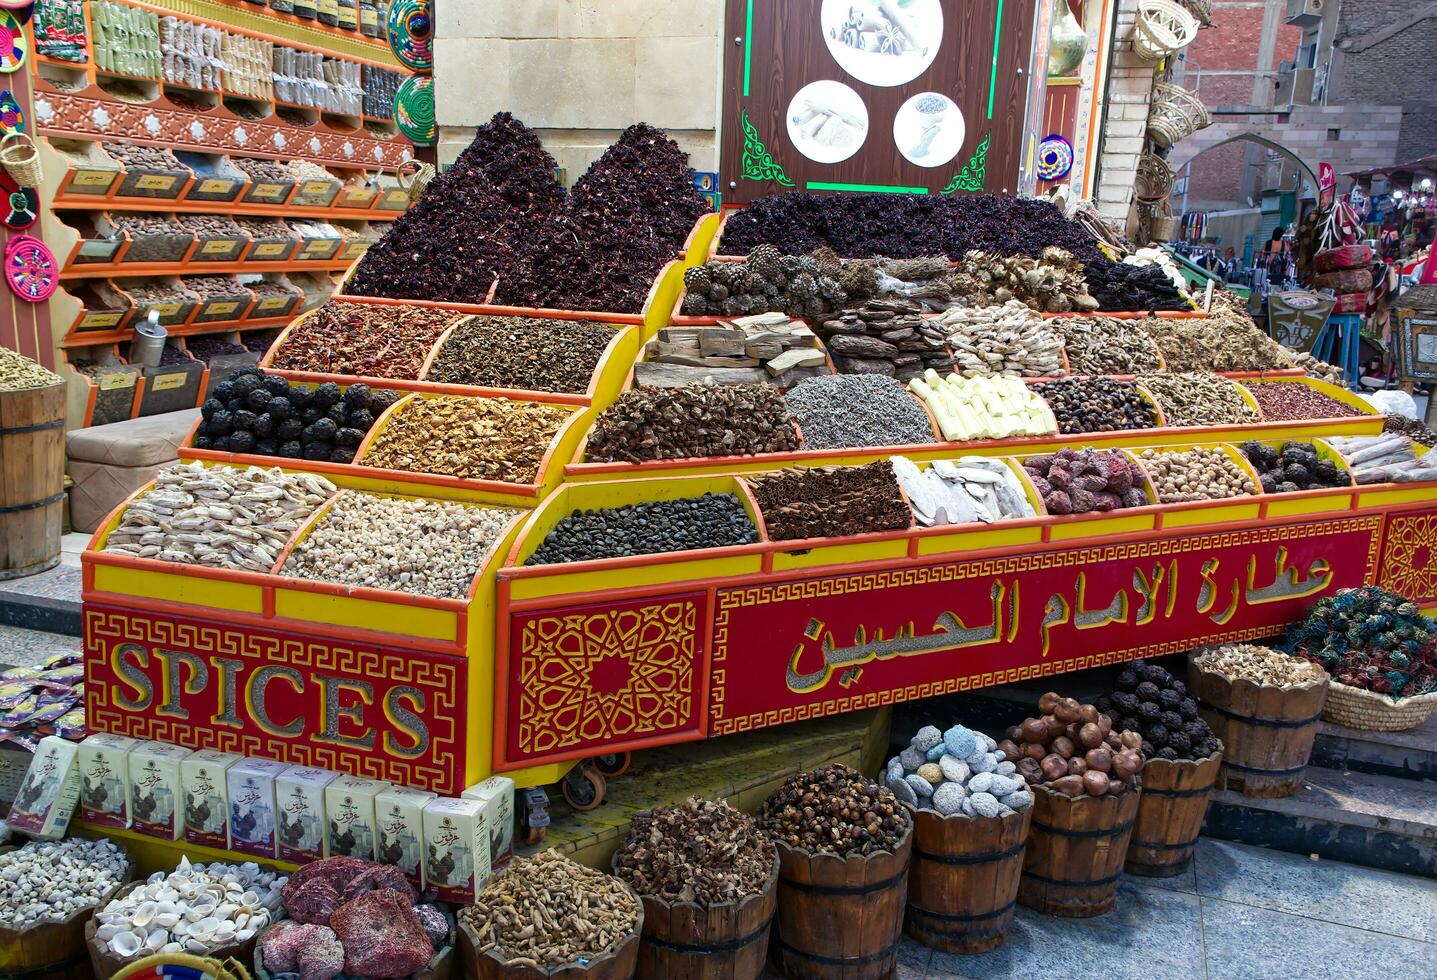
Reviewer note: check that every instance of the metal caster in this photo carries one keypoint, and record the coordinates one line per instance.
(535, 813)
(583, 788)
(613, 764)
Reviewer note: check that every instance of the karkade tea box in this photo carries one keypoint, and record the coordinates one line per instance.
(205, 777)
(399, 820)
(299, 812)
(252, 804)
(456, 849)
(156, 789)
(105, 780)
(349, 804)
(497, 795)
(50, 790)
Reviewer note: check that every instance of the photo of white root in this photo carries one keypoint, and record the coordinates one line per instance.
(882, 42)
(929, 129)
(827, 121)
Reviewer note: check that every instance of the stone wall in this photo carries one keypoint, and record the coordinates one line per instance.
(580, 71)
(1383, 51)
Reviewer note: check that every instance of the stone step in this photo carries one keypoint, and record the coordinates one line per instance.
(1407, 755)
(1377, 821)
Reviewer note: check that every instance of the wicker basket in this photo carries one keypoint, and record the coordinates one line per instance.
(1176, 114)
(1201, 9)
(414, 177)
(1155, 180)
(1370, 712)
(21, 159)
(1163, 28)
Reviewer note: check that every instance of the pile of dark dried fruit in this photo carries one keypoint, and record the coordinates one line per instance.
(1293, 466)
(701, 851)
(522, 352)
(1082, 481)
(830, 501)
(834, 810)
(1074, 749)
(1120, 286)
(252, 412)
(715, 520)
(904, 226)
(1147, 699)
(694, 420)
(767, 281)
(363, 339)
(205, 347)
(1097, 405)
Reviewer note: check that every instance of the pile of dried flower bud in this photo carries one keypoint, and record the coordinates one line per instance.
(700, 851)
(1293, 401)
(1051, 284)
(495, 439)
(1005, 339)
(830, 501)
(1182, 476)
(1261, 665)
(693, 420)
(1083, 481)
(522, 352)
(548, 911)
(766, 281)
(1073, 749)
(1293, 466)
(1097, 405)
(957, 771)
(714, 520)
(363, 339)
(353, 916)
(1149, 700)
(834, 810)
(970, 489)
(1106, 345)
(1198, 399)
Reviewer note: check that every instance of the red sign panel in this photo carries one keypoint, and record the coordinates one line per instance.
(792, 650)
(354, 707)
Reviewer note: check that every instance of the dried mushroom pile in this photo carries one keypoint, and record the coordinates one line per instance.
(701, 851)
(1261, 665)
(830, 501)
(495, 439)
(360, 339)
(693, 420)
(548, 911)
(523, 353)
(1198, 399)
(1106, 345)
(834, 810)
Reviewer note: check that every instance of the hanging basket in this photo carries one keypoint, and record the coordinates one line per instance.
(1200, 9)
(1176, 114)
(414, 177)
(1164, 27)
(20, 159)
(1155, 180)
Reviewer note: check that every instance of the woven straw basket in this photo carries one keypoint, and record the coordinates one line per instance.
(1155, 180)
(1201, 9)
(1176, 114)
(1369, 712)
(1163, 28)
(20, 159)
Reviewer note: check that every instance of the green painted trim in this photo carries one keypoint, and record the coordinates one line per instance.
(993, 74)
(748, 47)
(821, 185)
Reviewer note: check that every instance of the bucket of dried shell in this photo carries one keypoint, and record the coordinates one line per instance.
(48, 892)
(844, 844)
(1265, 706)
(707, 879)
(548, 916)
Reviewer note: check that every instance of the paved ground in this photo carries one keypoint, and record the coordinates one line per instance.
(1241, 912)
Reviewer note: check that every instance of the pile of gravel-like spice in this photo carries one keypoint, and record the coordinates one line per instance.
(905, 226)
(693, 420)
(843, 411)
(522, 352)
(830, 501)
(701, 851)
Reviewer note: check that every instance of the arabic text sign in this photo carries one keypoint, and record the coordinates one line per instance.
(335, 704)
(800, 649)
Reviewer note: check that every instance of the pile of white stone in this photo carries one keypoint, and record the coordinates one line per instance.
(957, 771)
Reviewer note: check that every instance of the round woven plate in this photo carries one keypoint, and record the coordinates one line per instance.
(1055, 157)
(14, 46)
(414, 110)
(411, 33)
(31, 269)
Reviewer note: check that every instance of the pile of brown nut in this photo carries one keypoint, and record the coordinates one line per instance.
(701, 851)
(1071, 748)
(1195, 474)
(496, 439)
(549, 911)
(834, 810)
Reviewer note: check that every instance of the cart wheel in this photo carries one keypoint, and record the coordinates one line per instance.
(583, 788)
(536, 835)
(613, 764)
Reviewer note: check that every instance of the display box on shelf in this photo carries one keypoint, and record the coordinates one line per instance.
(165, 297)
(359, 190)
(318, 249)
(96, 246)
(49, 791)
(219, 247)
(399, 818)
(271, 192)
(234, 305)
(272, 248)
(391, 197)
(113, 386)
(316, 193)
(172, 387)
(153, 183)
(216, 179)
(105, 307)
(350, 803)
(167, 246)
(90, 172)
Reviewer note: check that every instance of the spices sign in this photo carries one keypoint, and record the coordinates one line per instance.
(354, 707)
(891, 96)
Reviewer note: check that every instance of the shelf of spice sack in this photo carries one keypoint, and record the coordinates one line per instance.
(244, 17)
(237, 208)
(131, 270)
(93, 338)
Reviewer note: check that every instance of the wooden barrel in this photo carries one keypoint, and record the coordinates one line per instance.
(963, 889)
(1075, 852)
(618, 963)
(1170, 815)
(32, 479)
(1267, 732)
(840, 917)
(52, 950)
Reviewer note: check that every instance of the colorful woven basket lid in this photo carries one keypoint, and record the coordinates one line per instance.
(414, 110)
(14, 46)
(1055, 158)
(411, 34)
(31, 269)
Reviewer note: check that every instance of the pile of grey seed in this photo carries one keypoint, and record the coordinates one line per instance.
(856, 410)
(715, 520)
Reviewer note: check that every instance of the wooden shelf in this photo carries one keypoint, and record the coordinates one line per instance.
(95, 203)
(94, 338)
(130, 270)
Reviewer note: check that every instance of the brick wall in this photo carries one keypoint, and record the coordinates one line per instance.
(1400, 70)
